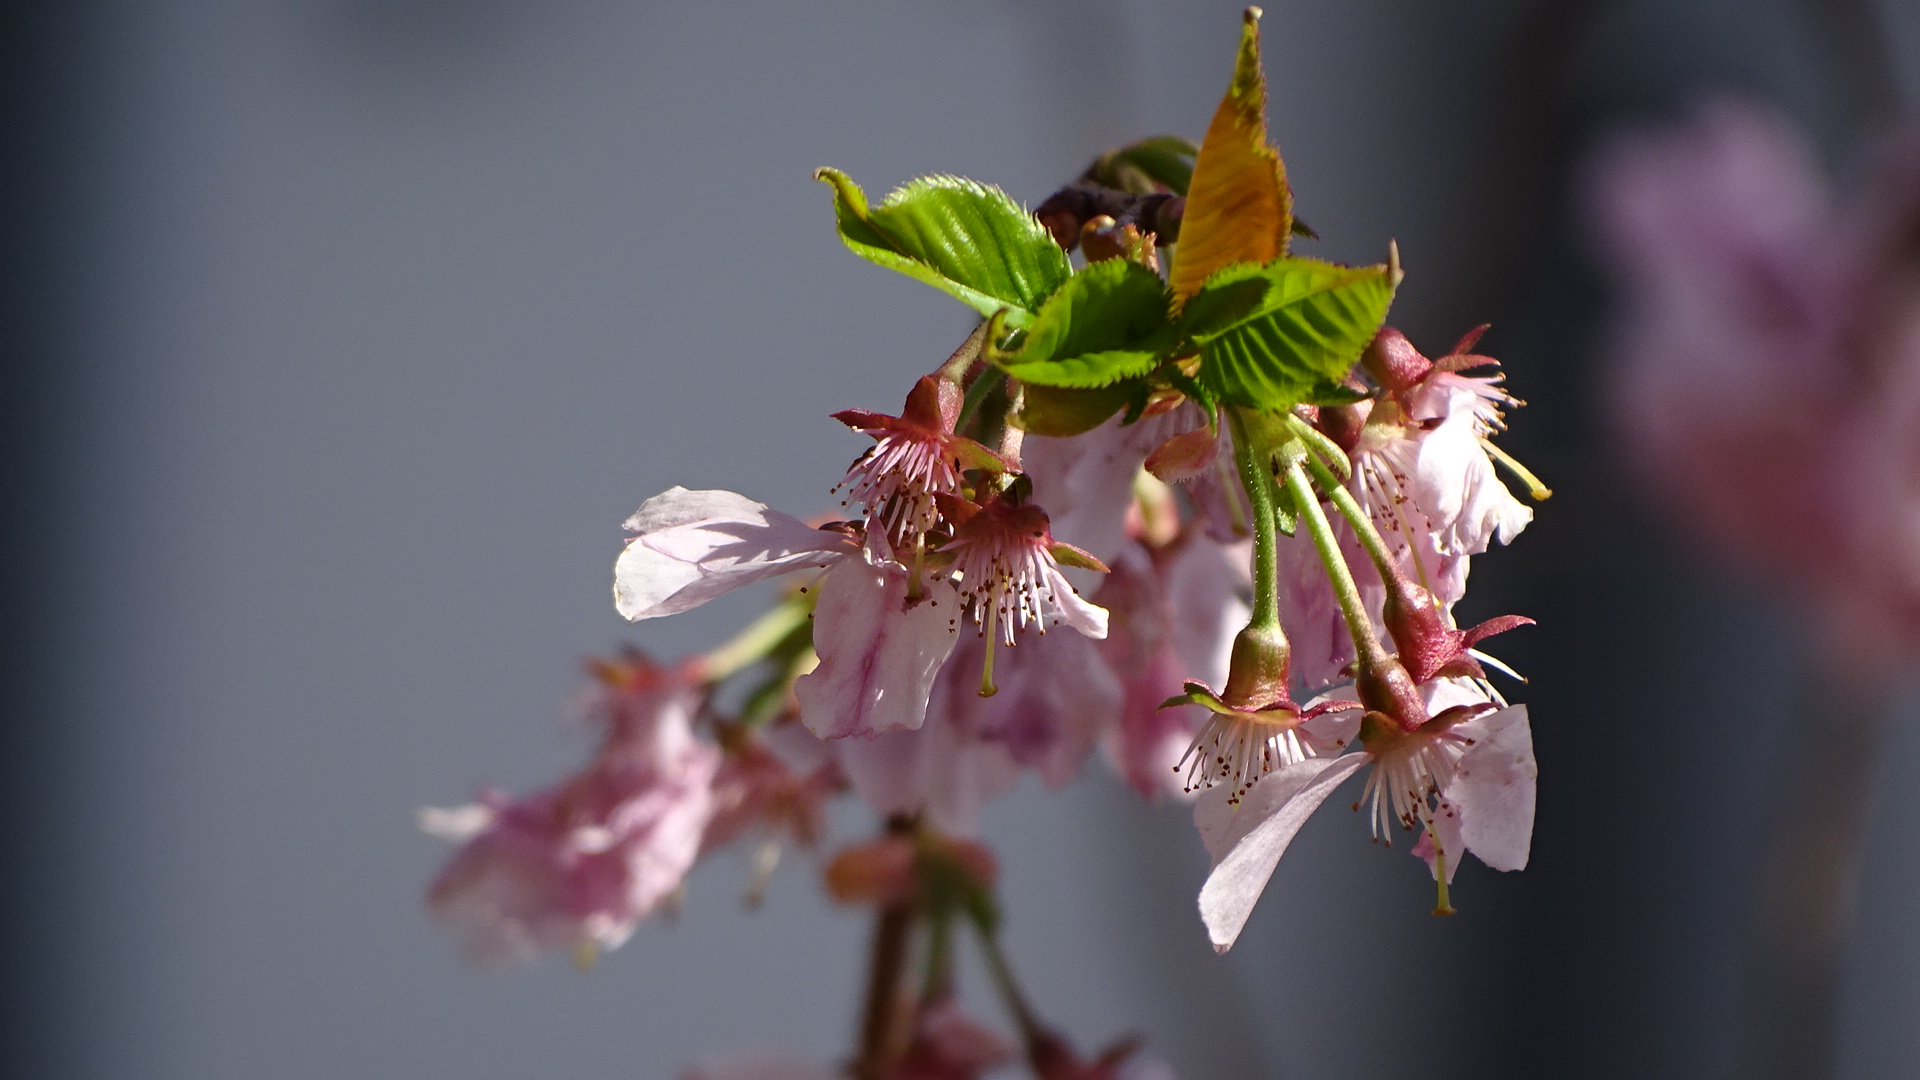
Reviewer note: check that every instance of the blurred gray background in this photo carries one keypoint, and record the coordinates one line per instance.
(344, 333)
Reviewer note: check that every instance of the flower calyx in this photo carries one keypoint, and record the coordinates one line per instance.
(916, 457)
(1239, 746)
(1429, 647)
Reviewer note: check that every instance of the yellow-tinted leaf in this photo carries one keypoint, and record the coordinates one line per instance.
(1238, 207)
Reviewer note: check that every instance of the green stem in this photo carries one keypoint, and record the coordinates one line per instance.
(939, 982)
(983, 384)
(1003, 980)
(757, 640)
(1356, 516)
(1365, 642)
(1257, 478)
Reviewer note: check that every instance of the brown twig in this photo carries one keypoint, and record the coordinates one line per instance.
(884, 1020)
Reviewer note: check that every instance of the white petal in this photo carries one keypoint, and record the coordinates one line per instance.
(877, 661)
(1088, 618)
(1493, 788)
(696, 545)
(1247, 841)
(678, 506)
(459, 823)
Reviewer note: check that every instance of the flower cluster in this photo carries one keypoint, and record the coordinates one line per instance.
(1190, 504)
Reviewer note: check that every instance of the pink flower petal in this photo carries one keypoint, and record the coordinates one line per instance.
(1246, 841)
(1493, 788)
(695, 545)
(878, 658)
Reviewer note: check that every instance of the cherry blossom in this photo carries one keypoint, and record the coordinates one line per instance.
(878, 652)
(1769, 363)
(578, 865)
(916, 456)
(1466, 776)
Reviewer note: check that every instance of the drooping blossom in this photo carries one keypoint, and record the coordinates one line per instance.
(1006, 569)
(878, 652)
(915, 457)
(1423, 469)
(1424, 463)
(1466, 776)
(578, 865)
(1769, 363)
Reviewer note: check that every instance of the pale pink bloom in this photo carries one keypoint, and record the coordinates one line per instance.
(1005, 567)
(878, 652)
(1247, 839)
(1468, 774)
(1175, 613)
(916, 456)
(577, 866)
(758, 1065)
(1421, 465)
(1770, 364)
(1055, 698)
(691, 546)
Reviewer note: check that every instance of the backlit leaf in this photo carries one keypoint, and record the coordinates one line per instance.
(1107, 323)
(1303, 338)
(1239, 209)
(964, 238)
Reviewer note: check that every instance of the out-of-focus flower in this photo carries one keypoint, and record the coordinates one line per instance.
(576, 866)
(1087, 482)
(776, 784)
(1466, 775)
(948, 1044)
(915, 457)
(1769, 363)
(878, 652)
(945, 770)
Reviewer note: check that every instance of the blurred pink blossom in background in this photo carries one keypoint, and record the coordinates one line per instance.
(1769, 362)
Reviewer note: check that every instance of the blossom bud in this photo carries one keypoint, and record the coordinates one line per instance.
(1260, 670)
(1429, 647)
(1385, 687)
(1394, 363)
(1343, 423)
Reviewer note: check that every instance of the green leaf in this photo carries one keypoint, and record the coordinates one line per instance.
(1060, 411)
(1231, 295)
(1089, 371)
(1306, 333)
(1107, 323)
(958, 236)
